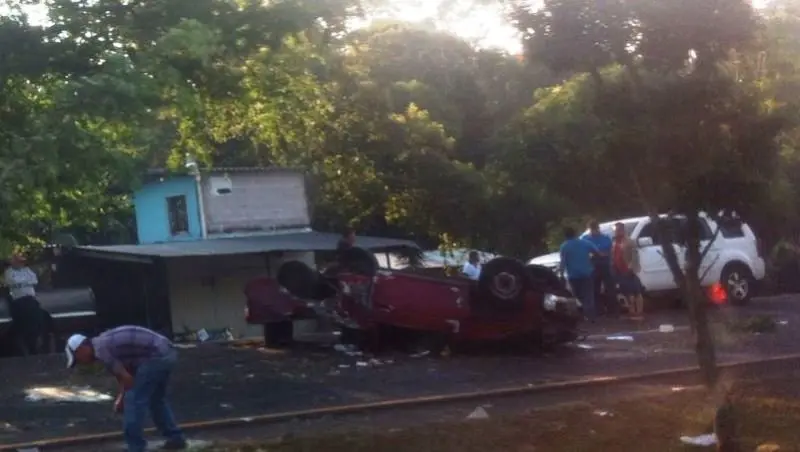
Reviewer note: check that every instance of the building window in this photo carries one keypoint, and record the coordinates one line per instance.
(178, 215)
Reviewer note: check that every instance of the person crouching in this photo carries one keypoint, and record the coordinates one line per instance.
(142, 362)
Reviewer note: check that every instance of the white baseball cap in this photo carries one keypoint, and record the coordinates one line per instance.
(74, 341)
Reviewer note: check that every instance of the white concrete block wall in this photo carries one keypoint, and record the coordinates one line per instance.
(256, 201)
(208, 292)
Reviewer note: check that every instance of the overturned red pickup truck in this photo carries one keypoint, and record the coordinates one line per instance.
(510, 301)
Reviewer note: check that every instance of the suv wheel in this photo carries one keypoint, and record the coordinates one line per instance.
(738, 283)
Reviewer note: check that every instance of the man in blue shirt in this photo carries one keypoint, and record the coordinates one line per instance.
(576, 261)
(602, 271)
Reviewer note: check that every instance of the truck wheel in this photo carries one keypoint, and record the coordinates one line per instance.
(359, 261)
(298, 278)
(503, 283)
(738, 283)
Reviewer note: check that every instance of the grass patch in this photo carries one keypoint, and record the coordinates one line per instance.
(651, 425)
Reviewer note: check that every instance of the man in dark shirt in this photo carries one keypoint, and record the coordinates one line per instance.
(347, 241)
(142, 361)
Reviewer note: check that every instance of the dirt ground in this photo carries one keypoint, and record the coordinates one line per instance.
(767, 412)
(216, 381)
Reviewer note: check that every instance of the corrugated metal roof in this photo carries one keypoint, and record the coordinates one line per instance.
(295, 241)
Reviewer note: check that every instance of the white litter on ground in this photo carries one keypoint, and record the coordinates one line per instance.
(348, 350)
(478, 413)
(603, 413)
(666, 328)
(65, 394)
(620, 338)
(783, 322)
(678, 389)
(585, 346)
(185, 345)
(702, 440)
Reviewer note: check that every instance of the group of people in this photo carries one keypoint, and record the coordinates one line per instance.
(599, 267)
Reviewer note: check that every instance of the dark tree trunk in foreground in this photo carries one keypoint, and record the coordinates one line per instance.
(698, 315)
(688, 281)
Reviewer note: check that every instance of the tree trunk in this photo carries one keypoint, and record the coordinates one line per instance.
(704, 343)
(688, 281)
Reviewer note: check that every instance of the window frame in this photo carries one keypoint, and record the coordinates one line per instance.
(177, 215)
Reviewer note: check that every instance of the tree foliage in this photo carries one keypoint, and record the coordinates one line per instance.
(618, 107)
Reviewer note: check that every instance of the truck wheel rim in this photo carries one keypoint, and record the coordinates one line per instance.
(504, 285)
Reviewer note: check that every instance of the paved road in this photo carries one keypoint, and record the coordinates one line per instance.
(217, 381)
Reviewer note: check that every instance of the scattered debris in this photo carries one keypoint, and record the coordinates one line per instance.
(65, 394)
(362, 364)
(202, 335)
(702, 440)
(678, 389)
(603, 413)
(666, 328)
(421, 354)
(783, 322)
(344, 366)
(585, 346)
(227, 406)
(478, 413)
(620, 338)
(754, 324)
(348, 350)
(185, 345)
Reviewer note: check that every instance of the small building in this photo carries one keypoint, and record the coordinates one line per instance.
(202, 237)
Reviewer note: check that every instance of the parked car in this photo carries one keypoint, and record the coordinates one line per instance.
(509, 301)
(735, 258)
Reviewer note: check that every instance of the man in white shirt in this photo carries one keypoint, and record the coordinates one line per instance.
(472, 268)
(26, 313)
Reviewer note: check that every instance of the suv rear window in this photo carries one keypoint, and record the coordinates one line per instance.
(731, 228)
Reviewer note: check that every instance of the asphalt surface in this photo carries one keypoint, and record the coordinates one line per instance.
(215, 381)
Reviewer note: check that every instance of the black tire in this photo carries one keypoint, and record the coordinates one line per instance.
(503, 283)
(544, 278)
(298, 278)
(359, 261)
(738, 282)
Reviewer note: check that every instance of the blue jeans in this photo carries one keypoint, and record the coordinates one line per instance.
(583, 289)
(149, 392)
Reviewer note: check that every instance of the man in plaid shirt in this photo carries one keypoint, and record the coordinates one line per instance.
(142, 361)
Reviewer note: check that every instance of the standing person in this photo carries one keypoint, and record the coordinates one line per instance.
(472, 268)
(142, 362)
(26, 313)
(576, 260)
(625, 264)
(347, 241)
(603, 278)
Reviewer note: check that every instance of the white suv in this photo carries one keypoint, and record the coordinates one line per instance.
(734, 258)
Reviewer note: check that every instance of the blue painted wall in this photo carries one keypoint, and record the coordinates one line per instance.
(152, 217)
